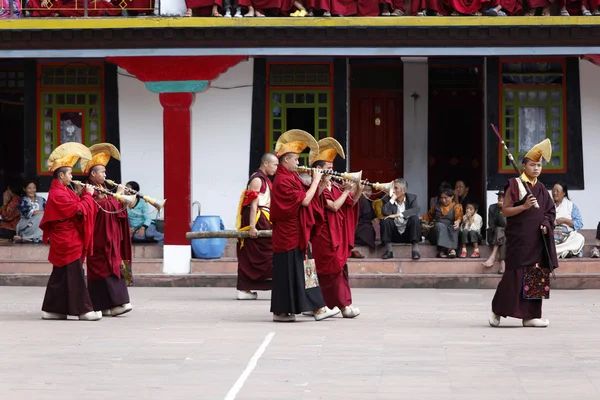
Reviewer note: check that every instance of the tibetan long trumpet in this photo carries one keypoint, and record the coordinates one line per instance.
(226, 234)
(350, 176)
(514, 164)
(152, 201)
(120, 197)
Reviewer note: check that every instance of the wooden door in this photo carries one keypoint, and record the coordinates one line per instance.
(376, 134)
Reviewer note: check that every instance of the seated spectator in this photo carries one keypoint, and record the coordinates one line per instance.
(461, 194)
(31, 208)
(365, 233)
(142, 226)
(435, 200)
(400, 222)
(470, 230)
(10, 212)
(446, 217)
(568, 241)
(596, 250)
(495, 233)
(5, 9)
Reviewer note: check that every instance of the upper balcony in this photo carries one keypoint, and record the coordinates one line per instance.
(97, 28)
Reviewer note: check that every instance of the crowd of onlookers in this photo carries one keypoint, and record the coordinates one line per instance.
(454, 224)
(303, 8)
(22, 211)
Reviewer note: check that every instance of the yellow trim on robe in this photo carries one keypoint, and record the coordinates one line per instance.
(526, 179)
(247, 228)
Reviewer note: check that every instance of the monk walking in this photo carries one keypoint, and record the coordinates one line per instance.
(333, 246)
(255, 255)
(297, 216)
(526, 231)
(112, 240)
(68, 225)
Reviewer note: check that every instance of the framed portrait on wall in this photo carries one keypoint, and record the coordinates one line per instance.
(71, 125)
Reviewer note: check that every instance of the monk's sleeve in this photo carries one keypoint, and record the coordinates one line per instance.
(549, 211)
(88, 208)
(286, 200)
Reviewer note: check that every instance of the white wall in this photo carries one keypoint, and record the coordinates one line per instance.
(220, 140)
(171, 7)
(586, 200)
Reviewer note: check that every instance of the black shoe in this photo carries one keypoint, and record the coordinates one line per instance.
(388, 254)
(416, 255)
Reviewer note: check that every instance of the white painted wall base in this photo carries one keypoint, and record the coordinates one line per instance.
(177, 259)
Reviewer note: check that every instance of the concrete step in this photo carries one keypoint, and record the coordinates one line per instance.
(12, 251)
(446, 281)
(8, 267)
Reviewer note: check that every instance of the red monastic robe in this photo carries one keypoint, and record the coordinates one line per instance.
(293, 224)
(68, 223)
(511, 7)
(538, 3)
(72, 8)
(202, 8)
(371, 8)
(332, 248)
(140, 6)
(112, 240)
(255, 256)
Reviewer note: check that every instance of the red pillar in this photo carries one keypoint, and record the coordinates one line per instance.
(177, 164)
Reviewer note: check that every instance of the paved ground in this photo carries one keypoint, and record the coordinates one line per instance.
(195, 343)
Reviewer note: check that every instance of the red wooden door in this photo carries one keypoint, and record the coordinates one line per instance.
(376, 134)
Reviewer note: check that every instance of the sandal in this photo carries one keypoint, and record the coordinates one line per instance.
(216, 14)
(385, 14)
(475, 254)
(563, 13)
(586, 13)
(397, 13)
(596, 12)
(501, 13)
(463, 253)
(188, 13)
(422, 13)
(442, 254)
(452, 254)
(476, 14)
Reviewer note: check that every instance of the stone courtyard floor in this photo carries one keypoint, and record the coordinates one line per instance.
(199, 343)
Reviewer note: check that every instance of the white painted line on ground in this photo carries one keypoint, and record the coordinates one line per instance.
(237, 386)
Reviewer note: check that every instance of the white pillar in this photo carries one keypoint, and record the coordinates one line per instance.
(177, 259)
(416, 105)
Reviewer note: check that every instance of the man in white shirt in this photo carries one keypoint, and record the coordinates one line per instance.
(400, 222)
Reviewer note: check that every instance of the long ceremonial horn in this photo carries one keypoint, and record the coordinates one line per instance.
(150, 200)
(125, 199)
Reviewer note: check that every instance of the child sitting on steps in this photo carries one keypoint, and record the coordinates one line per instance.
(470, 230)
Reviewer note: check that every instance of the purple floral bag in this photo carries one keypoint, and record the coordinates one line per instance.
(536, 283)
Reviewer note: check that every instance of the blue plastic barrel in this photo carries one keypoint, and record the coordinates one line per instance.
(208, 248)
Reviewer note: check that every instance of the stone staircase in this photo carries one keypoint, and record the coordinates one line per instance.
(27, 265)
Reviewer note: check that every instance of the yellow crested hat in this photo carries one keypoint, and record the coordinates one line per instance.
(67, 154)
(328, 149)
(101, 154)
(539, 151)
(295, 141)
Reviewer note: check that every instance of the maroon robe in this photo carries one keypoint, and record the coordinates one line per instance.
(539, 3)
(255, 256)
(332, 248)
(293, 224)
(512, 7)
(112, 246)
(371, 8)
(524, 248)
(591, 4)
(467, 7)
(272, 7)
(202, 8)
(138, 6)
(72, 8)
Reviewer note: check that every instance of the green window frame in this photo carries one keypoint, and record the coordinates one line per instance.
(533, 108)
(280, 101)
(70, 108)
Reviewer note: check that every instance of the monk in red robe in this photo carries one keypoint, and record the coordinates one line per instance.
(255, 255)
(526, 231)
(203, 8)
(297, 216)
(135, 7)
(112, 240)
(68, 225)
(71, 8)
(333, 246)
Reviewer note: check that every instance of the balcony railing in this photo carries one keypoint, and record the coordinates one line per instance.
(77, 8)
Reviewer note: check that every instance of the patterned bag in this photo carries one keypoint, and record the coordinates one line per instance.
(310, 274)
(126, 272)
(536, 283)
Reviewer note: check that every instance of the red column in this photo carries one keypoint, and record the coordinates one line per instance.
(177, 165)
